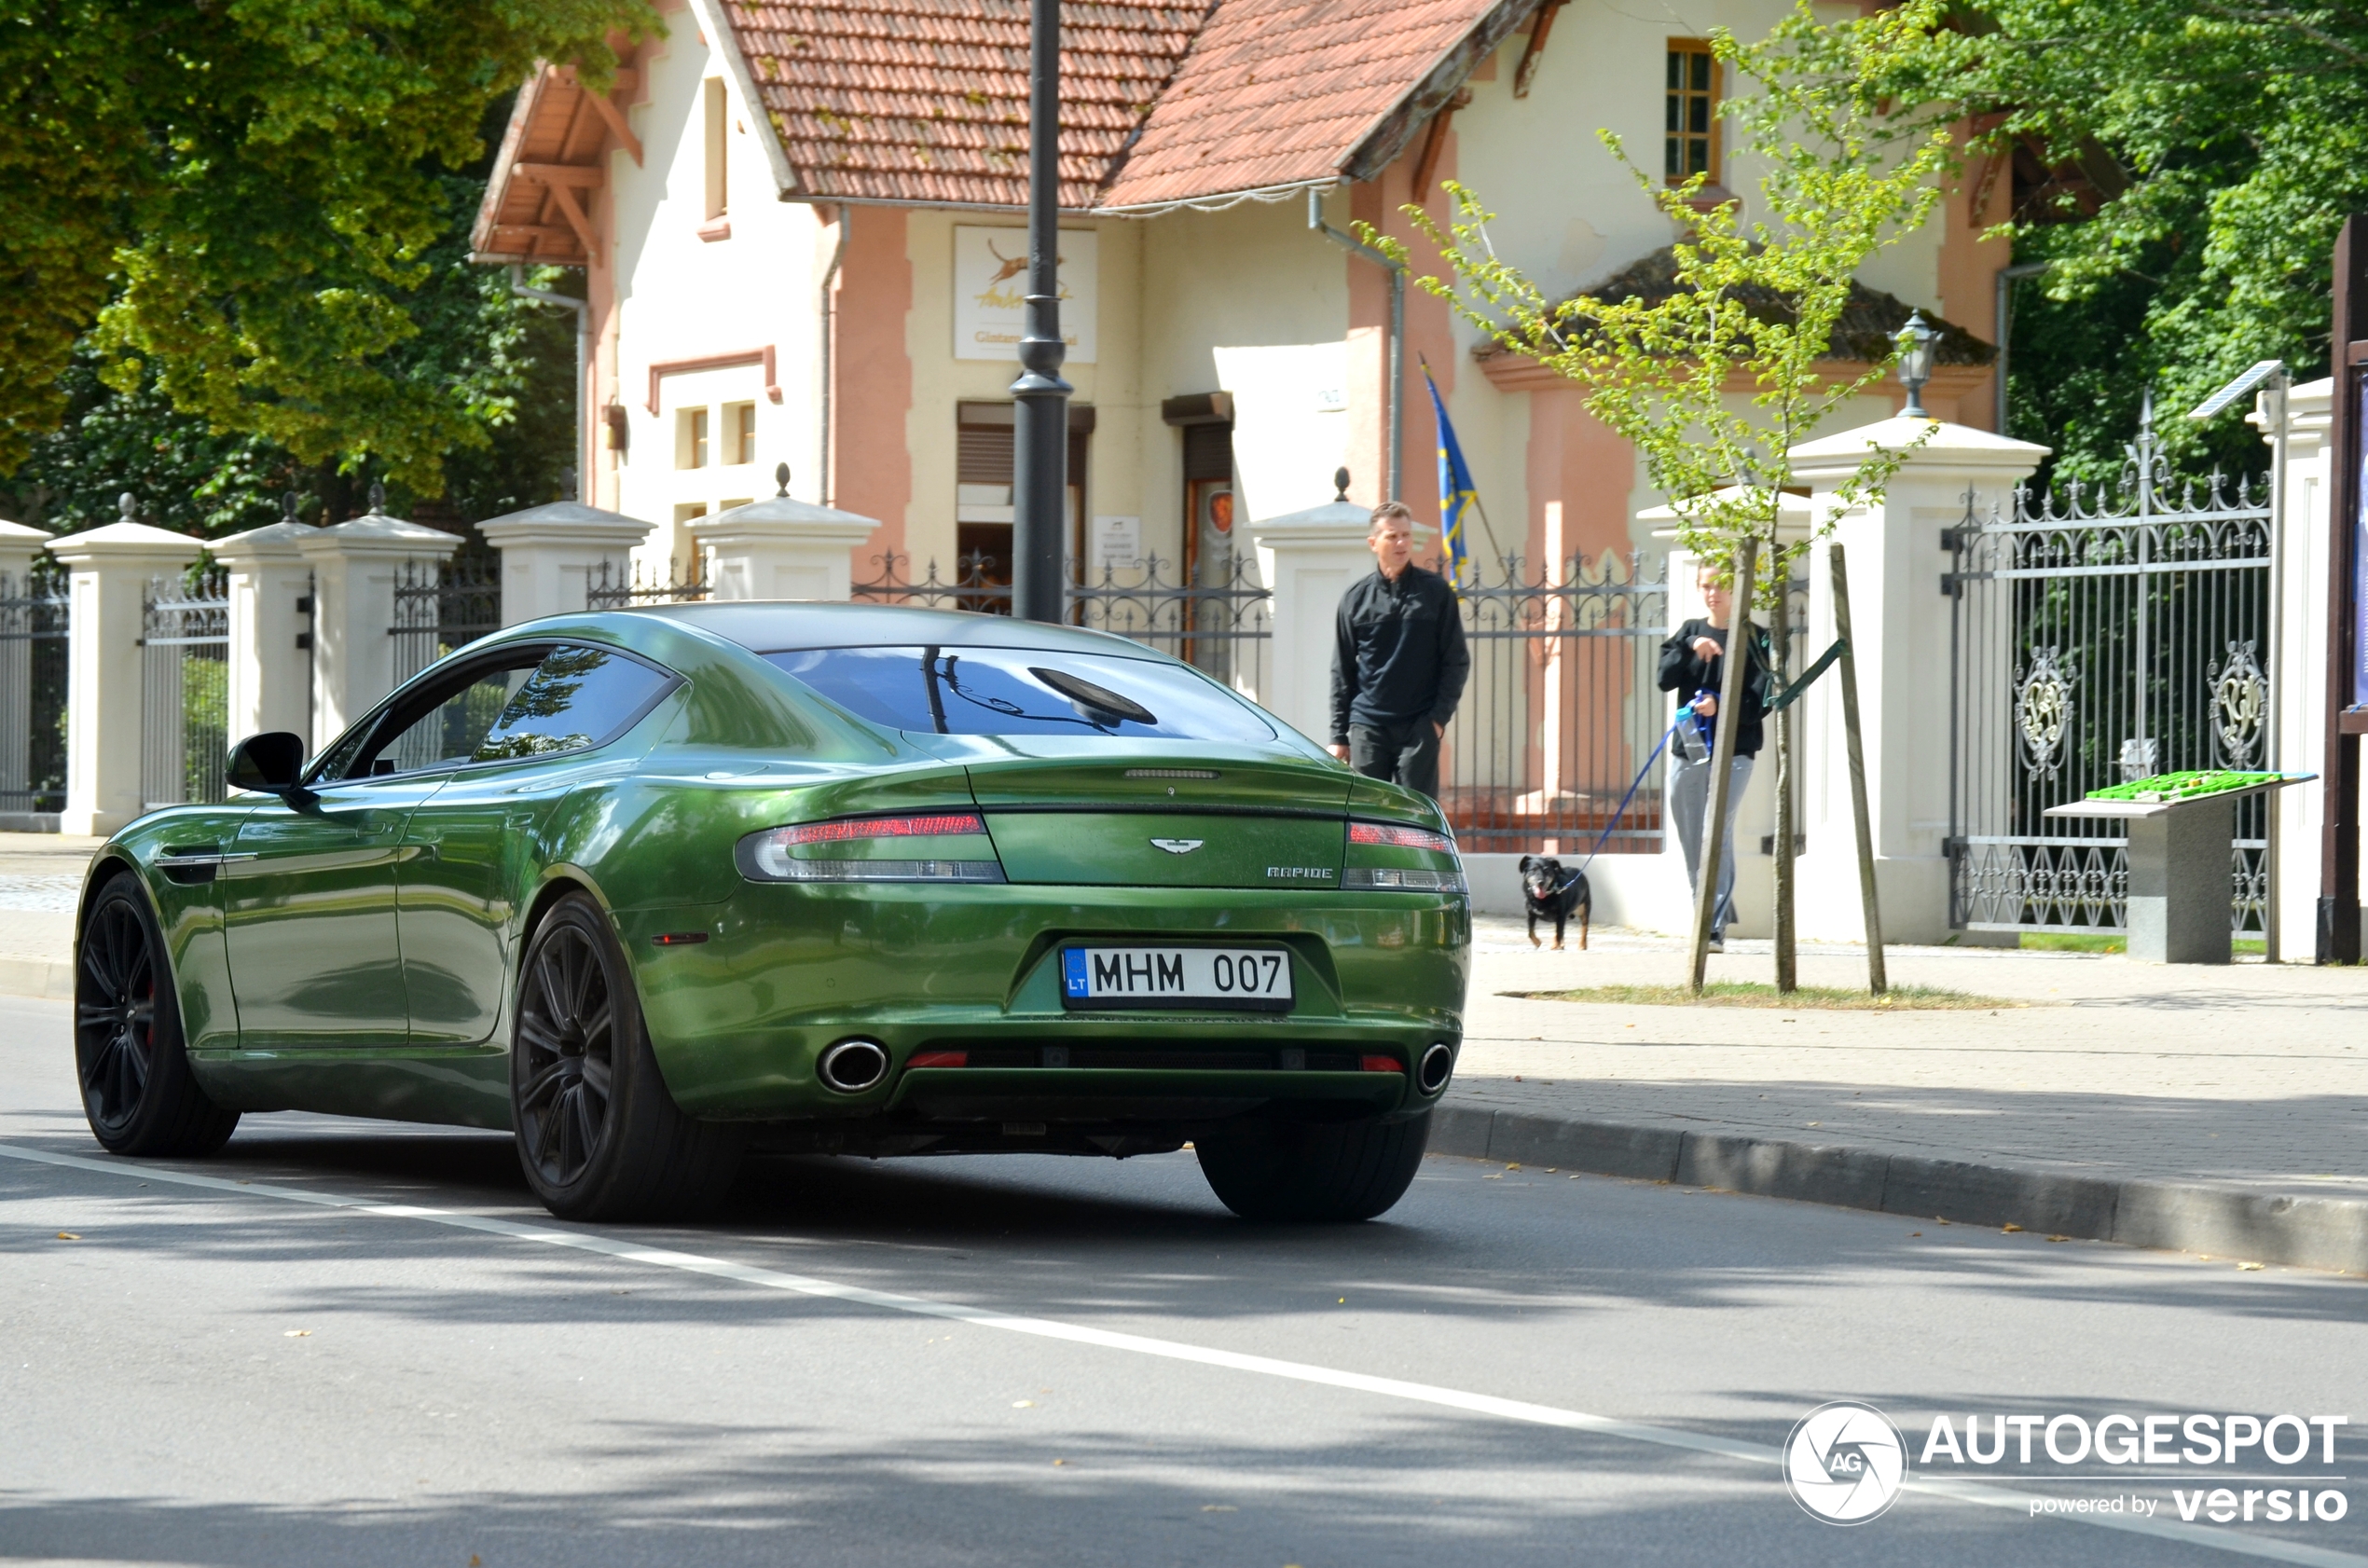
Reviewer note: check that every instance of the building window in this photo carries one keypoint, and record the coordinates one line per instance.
(983, 478)
(1690, 146)
(689, 510)
(690, 438)
(740, 433)
(718, 186)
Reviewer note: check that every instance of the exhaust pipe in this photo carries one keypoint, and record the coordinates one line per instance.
(853, 1065)
(1438, 1067)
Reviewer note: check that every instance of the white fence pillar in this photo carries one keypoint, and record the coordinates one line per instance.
(1901, 619)
(270, 667)
(781, 547)
(551, 555)
(355, 568)
(2298, 671)
(1309, 558)
(111, 567)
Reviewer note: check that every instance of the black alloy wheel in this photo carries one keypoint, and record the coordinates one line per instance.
(567, 1039)
(598, 1136)
(137, 1090)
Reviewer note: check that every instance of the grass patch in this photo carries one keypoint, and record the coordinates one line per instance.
(1751, 993)
(2107, 941)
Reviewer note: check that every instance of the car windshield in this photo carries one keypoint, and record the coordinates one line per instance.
(1023, 691)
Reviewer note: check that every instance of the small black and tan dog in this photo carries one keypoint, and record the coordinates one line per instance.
(1549, 888)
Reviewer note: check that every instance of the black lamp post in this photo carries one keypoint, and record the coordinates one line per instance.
(1914, 363)
(1040, 434)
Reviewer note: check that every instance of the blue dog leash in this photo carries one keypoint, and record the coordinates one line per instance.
(1683, 714)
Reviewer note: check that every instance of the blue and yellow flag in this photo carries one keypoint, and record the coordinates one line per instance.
(1457, 496)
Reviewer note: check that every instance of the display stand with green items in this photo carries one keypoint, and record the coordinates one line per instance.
(2183, 832)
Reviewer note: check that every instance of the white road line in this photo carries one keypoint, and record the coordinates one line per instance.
(1173, 1350)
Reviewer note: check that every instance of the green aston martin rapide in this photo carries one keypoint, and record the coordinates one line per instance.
(652, 888)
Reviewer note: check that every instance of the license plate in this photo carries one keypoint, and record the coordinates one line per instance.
(1221, 977)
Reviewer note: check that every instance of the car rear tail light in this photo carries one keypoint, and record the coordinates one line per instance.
(1396, 835)
(767, 856)
(1379, 1064)
(939, 1059)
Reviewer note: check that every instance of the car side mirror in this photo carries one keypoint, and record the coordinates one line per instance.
(271, 762)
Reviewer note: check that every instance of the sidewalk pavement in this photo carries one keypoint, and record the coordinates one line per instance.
(2216, 1111)
(40, 878)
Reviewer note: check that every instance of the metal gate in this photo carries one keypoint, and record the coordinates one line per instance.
(33, 610)
(185, 690)
(1223, 629)
(2122, 635)
(443, 605)
(1563, 708)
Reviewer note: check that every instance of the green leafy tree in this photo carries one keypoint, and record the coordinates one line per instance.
(244, 196)
(1757, 303)
(2198, 158)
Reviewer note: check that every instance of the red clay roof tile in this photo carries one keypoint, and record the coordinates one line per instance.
(926, 101)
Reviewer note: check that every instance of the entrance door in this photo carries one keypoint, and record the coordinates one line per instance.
(308, 903)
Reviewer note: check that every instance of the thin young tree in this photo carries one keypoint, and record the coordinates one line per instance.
(1718, 376)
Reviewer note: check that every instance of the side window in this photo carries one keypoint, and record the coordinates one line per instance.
(446, 732)
(577, 698)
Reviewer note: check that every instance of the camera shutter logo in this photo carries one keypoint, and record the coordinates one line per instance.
(1844, 1463)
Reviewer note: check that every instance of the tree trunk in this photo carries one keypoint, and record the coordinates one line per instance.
(1722, 760)
(1780, 641)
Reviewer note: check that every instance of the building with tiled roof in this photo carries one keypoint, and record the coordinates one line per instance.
(800, 223)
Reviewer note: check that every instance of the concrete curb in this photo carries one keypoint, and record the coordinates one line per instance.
(36, 977)
(2313, 1232)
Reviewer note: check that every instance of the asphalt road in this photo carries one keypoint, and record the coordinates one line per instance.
(359, 1343)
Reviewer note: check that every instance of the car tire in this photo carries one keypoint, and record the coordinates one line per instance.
(138, 1092)
(1313, 1170)
(598, 1136)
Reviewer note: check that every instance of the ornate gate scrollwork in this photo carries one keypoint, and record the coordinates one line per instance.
(2042, 712)
(2239, 705)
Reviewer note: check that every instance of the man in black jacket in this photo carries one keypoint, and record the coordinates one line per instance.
(1693, 661)
(1399, 661)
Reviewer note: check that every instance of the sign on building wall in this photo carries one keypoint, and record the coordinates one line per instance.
(990, 292)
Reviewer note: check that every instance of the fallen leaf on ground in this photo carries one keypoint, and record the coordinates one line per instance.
(2059, 1238)
(2009, 1228)
(2250, 1268)
(298, 1334)
(68, 1236)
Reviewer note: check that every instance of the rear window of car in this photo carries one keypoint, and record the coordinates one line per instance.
(947, 690)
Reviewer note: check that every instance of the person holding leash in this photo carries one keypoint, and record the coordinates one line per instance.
(1693, 665)
(1399, 661)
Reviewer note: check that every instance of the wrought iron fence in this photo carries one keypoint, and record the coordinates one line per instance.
(185, 690)
(1563, 708)
(34, 619)
(971, 589)
(441, 606)
(2117, 634)
(606, 589)
(1224, 630)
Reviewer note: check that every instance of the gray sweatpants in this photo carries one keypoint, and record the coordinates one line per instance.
(1689, 810)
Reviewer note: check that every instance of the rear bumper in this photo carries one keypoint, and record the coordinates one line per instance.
(739, 1019)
